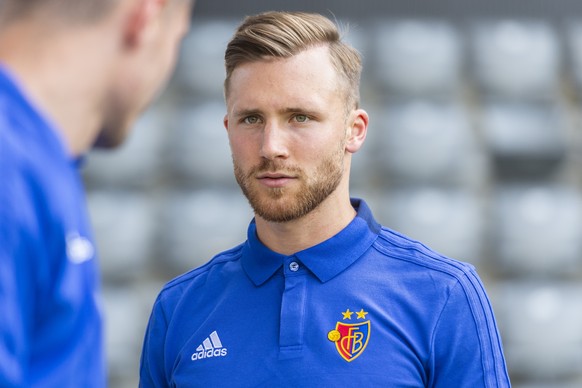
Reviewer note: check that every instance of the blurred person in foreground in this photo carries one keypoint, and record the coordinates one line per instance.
(320, 294)
(73, 74)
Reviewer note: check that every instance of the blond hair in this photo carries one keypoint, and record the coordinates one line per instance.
(284, 34)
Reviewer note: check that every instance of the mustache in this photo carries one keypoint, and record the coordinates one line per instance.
(267, 165)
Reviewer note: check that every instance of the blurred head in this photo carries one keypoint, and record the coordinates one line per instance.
(105, 59)
(285, 34)
(292, 119)
(150, 53)
(69, 11)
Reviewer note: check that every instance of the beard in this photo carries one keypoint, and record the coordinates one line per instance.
(283, 204)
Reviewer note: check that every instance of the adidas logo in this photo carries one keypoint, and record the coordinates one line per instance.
(210, 347)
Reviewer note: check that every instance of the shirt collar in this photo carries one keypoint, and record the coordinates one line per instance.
(325, 260)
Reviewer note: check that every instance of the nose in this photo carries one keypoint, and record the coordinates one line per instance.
(274, 142)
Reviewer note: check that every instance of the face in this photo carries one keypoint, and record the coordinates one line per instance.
(287, 126)
(149, 61)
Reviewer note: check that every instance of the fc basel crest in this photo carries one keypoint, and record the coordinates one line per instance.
(351, 339)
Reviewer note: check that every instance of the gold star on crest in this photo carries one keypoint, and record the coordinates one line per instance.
(362, 314)
(347, 314)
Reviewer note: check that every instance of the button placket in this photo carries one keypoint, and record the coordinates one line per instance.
(292, 312)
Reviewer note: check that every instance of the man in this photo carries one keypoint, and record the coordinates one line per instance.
(320, 294)
(73, 73)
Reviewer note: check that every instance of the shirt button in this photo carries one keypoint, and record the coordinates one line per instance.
(294, 266)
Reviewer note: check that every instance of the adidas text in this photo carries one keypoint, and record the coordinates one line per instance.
(210, 347)
(209, 353)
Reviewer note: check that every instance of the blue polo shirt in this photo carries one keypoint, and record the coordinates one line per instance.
(50, 320)
(368, 307)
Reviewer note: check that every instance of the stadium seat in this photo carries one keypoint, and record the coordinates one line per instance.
(449, 221)
(125, 316)
(516, 58)
(536, 229)
(200, 68)
(138, 162)
(199, 153)
(540, 323)
(573, 42)
(424, 141)
(418, 57)
(523, 139)
(200, 224)
(125, 225)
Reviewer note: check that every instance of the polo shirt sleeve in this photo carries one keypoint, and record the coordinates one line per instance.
(152, 365)
(466, 346)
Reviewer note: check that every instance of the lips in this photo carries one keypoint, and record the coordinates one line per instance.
(272, 175)
(274, 179)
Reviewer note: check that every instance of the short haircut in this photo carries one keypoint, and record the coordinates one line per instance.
(70, 11)
(285, 34)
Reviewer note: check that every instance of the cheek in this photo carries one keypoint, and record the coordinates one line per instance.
(242, 142)
(163, 58)
(166, 59)
(317, 148)
(240, 148)
(173, 48)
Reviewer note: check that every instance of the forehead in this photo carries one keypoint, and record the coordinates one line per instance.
(309, 77)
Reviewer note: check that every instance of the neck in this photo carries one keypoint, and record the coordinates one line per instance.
(63, 76)
(328, 219)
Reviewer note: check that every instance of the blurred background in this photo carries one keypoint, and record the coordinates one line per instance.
(474, 148)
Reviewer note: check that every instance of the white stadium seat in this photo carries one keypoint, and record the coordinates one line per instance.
(418, 57)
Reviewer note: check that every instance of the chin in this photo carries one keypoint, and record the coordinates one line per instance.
(111, 137)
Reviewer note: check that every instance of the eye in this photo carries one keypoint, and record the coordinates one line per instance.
(301, 118)
(251, 120)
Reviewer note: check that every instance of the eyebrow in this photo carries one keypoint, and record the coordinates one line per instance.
(307, 112)
(252, 112)
(246, 112)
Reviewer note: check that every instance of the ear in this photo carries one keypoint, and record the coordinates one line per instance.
(357, 130)
(141, 15)
(225, 121)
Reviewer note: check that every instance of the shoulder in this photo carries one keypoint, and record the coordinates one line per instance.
(22, 173)
(457, 282)
(415, 258)
(31, 152)
(400, 247)
(36, 172)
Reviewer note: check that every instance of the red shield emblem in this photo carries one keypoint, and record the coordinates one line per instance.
(350, 339)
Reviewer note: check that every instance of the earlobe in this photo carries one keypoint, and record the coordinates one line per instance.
(357, 130)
